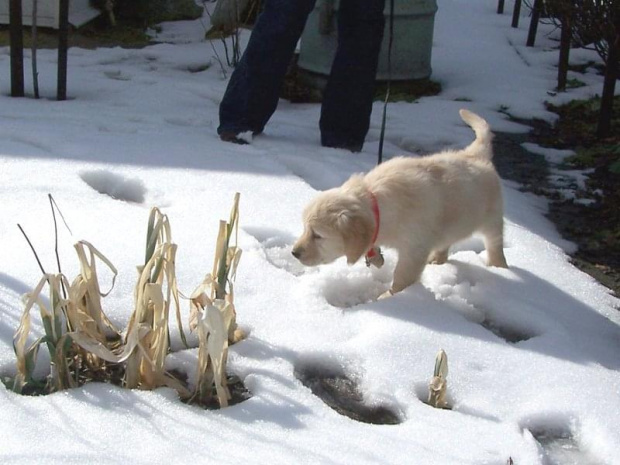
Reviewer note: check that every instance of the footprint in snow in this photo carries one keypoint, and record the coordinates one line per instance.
(342, 393)
(117, 75)
(464, 291)
(277, 246)
(558, 441)
(116, 186)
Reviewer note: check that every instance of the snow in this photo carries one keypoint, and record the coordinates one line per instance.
(533, 350)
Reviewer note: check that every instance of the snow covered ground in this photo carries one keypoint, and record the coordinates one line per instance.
(534, 350)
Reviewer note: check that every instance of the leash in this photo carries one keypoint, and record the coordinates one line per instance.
(389, 80)
(374, 255)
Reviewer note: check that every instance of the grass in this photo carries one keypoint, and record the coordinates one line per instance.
(576, 129)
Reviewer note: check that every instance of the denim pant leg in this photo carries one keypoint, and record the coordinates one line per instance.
(254, 87)
(347, 101)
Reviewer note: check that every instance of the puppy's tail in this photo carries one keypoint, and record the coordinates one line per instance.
(482, 145)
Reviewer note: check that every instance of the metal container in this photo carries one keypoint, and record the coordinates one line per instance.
(414, 21)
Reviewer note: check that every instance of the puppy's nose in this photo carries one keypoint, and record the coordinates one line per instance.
(296, 252)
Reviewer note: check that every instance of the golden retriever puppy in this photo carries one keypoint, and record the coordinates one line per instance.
(418, 206)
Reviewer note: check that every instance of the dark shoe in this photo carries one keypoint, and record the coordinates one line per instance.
(351, 147)
(232, 137)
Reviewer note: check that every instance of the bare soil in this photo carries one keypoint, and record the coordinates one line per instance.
(594, 228)
(95, 34)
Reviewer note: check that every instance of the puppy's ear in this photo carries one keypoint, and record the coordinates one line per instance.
(356, 233)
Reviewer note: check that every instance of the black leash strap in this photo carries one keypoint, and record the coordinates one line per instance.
(387, 91)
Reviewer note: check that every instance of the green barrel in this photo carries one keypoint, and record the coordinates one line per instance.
(412, 43)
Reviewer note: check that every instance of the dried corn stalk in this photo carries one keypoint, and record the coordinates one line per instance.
(225, 266)
(212, 313)
(213, 320)
(438, 386)
(80, 337)
(52, 317)
(78, 317)
(148, 326)
(86, 320)
(86, 294)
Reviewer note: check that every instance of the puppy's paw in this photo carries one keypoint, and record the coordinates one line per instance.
(386, 294)
(438, 257)
(498, 262)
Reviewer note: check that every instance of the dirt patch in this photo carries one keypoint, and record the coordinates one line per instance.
(513, 162)
(114, 373)
(97, 33)
(594, 228)
(124, 28)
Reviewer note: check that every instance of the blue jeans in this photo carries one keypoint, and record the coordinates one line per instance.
(254, 87)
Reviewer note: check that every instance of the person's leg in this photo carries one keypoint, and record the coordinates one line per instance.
(254, 87)
(347, 101)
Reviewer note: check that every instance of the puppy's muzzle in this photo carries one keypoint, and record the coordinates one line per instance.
(297, 252)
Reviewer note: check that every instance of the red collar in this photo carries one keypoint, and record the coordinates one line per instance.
(375, 210)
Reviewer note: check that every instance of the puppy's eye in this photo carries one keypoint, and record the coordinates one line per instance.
(316, 236)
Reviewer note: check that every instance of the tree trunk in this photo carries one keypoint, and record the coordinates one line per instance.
(565, 40)
(609, 87)
(531, 36)
(63, 45)
(516, 13)
(17, 48)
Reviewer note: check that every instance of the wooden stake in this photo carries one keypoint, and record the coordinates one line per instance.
(516, 13)
(17, 48)
(35, 73)
(63, 46)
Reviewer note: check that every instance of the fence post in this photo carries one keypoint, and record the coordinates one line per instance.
(500, 7)
(516, 13)
(63, 45)
(17, 48)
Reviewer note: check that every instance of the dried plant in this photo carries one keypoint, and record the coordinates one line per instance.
(148, 326)
(53, 324)
(82, 340)
(438, 386)
(213, 315)
(74, 314)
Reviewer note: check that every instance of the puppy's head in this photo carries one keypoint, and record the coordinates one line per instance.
(336, 224)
